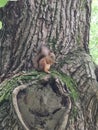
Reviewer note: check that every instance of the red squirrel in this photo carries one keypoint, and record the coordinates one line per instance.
(44, 59)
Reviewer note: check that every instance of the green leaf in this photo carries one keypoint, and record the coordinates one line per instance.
(3, 3)
(0, 24)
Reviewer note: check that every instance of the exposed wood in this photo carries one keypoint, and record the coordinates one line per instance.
(14, 97)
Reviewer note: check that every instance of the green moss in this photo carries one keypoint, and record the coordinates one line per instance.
(7, 86)
(74, 113)
(71, 86)
(69, 82)
(6, 89)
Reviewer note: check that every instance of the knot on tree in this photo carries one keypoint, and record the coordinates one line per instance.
(37, 101)
(43, 104)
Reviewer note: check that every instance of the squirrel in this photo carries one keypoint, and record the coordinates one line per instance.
(46, 62)
(44, 59)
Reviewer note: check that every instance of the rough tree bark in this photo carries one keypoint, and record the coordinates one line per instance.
(63, 100)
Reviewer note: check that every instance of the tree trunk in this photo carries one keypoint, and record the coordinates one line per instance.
(63, 100)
